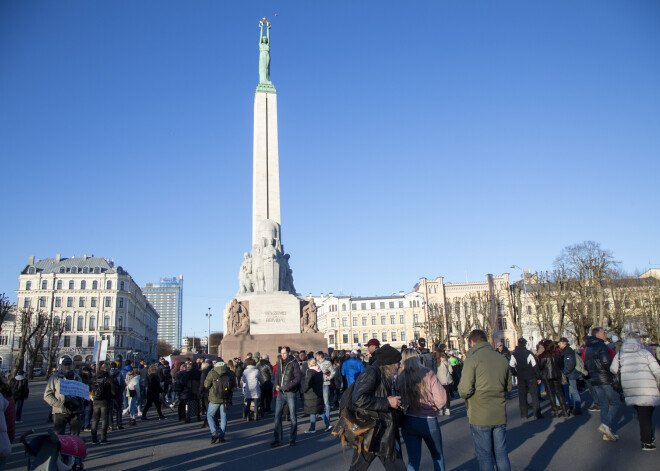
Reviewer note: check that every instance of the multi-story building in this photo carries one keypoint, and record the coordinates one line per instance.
(95, 301)
(7, 340)
(167, 298)
(349, 322)
(455, 309)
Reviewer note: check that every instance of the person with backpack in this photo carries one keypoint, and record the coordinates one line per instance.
(104, 391)
(266, 382)
(165, 378)
(569, 363)
(20, 391)
(207, 366)
(220, 385)
(443, 373)
(426, 357)
(524, 365)
(117, 404)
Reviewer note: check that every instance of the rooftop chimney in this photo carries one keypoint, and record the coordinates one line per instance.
(58, 257)
(31, 260)
(85, 257)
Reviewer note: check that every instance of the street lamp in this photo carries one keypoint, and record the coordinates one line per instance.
(208, 338)
(523, 300)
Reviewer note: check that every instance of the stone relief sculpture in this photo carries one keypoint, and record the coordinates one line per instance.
(267, 269)
(239, 319)
(308, 320)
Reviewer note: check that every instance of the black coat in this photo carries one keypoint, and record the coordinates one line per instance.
(153, 387)
(288, 376)
(370, 392)
(597, 360)
(313, 391)
(550, 366)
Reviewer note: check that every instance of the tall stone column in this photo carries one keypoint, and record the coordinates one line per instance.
(266, 168)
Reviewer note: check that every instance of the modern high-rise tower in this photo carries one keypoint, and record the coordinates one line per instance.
(167, 298)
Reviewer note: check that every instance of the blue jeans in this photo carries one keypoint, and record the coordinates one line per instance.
(490, 440)
(609, 402)
(416, 429)
(210, 417)
(290, 399)
(19, 409)
(576, 400)
(326, 402)
(133, 406)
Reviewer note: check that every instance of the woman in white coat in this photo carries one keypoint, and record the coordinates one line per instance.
(445, 377)
(251, 389)
(640, 378)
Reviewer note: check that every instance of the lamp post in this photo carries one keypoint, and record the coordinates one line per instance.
(523, 300)
(208, 337)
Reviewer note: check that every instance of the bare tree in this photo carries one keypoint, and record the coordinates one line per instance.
(5, 308)
(28, 323)
(164, 349)
(54, 337)
(35, 346)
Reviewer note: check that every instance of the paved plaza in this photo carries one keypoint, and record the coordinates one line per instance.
(548, 444)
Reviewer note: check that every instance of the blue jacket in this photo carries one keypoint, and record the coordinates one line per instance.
(352, 369)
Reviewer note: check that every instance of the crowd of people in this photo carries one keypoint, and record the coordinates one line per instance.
(396, 393)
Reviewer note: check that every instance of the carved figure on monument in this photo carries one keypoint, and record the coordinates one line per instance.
(264, 52)
(245, 275)
(239, 318)
(308, 321)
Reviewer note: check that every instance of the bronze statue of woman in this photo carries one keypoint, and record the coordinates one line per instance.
(264, 53)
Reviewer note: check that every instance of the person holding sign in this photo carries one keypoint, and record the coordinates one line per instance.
(60, 396)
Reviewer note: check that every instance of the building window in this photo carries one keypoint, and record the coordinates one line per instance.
(106, 322)
(373, 320)
(364, 320)
(393, 339)
(345, 338)
(121, 302)
(69, 301)
(83, 284)
(44, 284)
(356, 339)
(107, 301)
(415, 318)
(62, 270)
(343, 307)
(501, 323)
(92, 323)
(58, 302)
(363, 306)
(81, 302)
(95, 284)
(383, 336)
(67, 323)
(374, 335)
(97, 270)
(79, 341)
(26, 303)
(81, 323)
(28, 285)
(59, 284)
(354, 306)
(92, 302)
(90, 340)
(42, 301)
(392, 319)
(373, 305)
(402, 318)
(108, 285)
(391, 304)
(344, 322)
(67, 341)
(120, 322)
(365, 337)
(382, 305)
(56, 322)
(355, 322)
(70, 284)
(382, 320)
(403, 335)
(333, 322)
(121, 285)
(507, 343)
(331, 339)
(400, 303)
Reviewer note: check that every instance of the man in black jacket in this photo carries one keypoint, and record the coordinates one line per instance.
(597, 357)
(287, 383)
(572, 375)
(527, 371)
(373, 397)
(266, 383)
(104, 390)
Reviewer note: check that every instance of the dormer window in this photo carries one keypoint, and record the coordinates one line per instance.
(62, 270)
(85, 270)
(97, 270)
(31, 270)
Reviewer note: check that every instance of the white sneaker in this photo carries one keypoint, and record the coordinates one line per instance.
(608, 439)
(329, 428)
(310, 431)
(607, 432)
(447, 412)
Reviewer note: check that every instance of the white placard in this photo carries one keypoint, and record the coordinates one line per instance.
(74, 388)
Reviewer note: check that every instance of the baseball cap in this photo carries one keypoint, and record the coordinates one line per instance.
(564, 339)
(67, 361)
(354, 352)
(374, 342)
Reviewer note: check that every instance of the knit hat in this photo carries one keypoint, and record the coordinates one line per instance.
(257, 354)
(387, 355)
(220, 363)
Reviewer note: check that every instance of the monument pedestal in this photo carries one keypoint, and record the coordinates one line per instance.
(233, 346)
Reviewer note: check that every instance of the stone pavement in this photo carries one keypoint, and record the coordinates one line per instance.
(548, 444)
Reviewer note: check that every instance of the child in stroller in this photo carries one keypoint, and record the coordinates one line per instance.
(51, 452)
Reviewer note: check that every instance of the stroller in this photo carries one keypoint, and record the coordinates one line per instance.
(51, 452)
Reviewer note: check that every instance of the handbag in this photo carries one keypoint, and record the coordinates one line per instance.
(132, 393)
(356, 433)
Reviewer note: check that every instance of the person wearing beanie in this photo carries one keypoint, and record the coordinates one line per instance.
(373, 396)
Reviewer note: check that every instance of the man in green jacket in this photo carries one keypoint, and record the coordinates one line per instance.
(220, 385)
(484, 383)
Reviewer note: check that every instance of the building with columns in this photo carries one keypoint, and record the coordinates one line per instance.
(348, 322)
(96, 301)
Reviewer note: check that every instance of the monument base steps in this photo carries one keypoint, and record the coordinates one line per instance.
(233, 346)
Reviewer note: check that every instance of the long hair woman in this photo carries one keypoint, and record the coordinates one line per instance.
(424, 396)
(550, 366)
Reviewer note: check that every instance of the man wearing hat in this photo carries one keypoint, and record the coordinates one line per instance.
(373, 397)
(372, 346)
(66, 409)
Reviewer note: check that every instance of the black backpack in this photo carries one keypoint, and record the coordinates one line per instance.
(221, 387)
(98, 389)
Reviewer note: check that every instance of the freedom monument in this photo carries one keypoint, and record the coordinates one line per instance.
(266, 312)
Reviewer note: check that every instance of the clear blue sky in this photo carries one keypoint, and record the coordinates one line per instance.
(416, 139)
